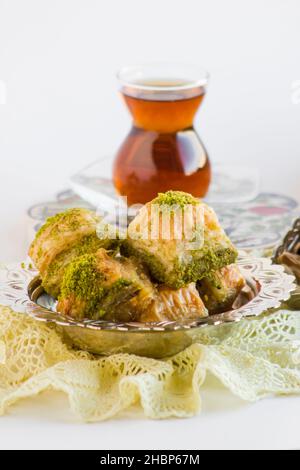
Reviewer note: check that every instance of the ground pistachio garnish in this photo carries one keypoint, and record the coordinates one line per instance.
(88, 243)
(83, 280)
(202, 266)
(178, 198)
(70, 217)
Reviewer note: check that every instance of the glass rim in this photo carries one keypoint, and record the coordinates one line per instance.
(124, 73)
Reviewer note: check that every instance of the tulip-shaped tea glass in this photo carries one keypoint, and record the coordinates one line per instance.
(162, 150)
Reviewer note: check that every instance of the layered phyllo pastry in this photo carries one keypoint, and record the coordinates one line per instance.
(174, 263)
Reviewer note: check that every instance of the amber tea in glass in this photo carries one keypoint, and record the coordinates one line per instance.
(162, 150)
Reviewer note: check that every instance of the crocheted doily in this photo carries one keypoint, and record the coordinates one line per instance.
(254, 358)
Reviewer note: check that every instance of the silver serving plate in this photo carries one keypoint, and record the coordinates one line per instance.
(20, 289)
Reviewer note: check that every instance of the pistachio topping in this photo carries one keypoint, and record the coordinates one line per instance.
(70, 217)
(86, 280)
(83, 280)
(172, 198)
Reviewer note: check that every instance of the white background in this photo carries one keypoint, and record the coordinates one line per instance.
(58, 59)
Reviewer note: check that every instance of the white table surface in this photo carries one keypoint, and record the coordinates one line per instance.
(224, 423)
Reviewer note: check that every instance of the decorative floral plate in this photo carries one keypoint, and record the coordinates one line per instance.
(20, 288)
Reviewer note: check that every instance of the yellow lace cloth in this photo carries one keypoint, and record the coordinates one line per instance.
(253, 359)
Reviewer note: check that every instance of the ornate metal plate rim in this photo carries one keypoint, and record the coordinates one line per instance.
(275, 287)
